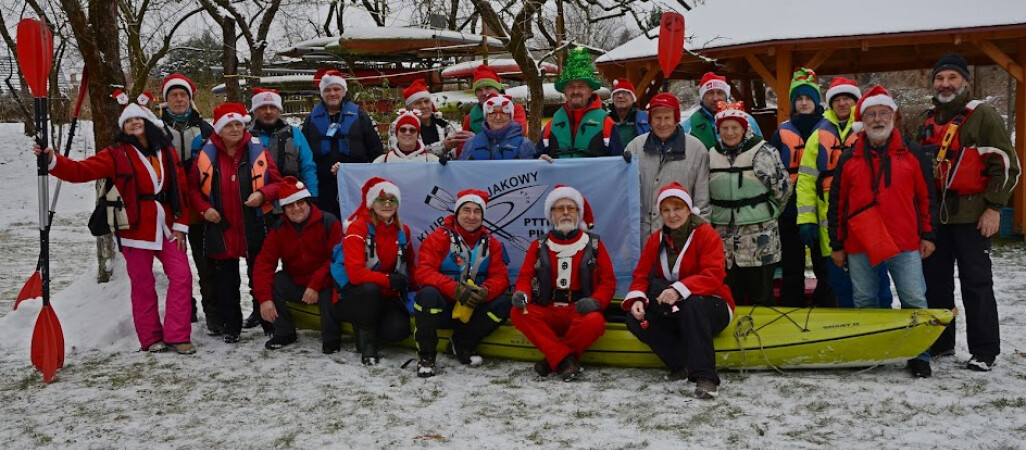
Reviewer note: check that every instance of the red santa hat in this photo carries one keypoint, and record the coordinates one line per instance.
(665, 100)
(475, 196)
(587, 217)
(732, 111)
(712, 81)
(409, 117)
(676, 190)
(137, 109)
(503, 103)
(486, 76)
(262, 97)
(177, 80)
(877, 96)
(327, 77)
(377, 187)
(418, 90)
(842, 85)
(226, 113)
(624, 85)
(291, 190)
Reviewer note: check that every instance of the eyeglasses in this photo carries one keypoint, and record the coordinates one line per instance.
(567, 209)
(386, 201)
(882, 115)
(407, 130)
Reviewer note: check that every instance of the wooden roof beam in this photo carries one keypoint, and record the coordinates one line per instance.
(1002, 59)
(761, 69)
(783, 84)
(819, 58)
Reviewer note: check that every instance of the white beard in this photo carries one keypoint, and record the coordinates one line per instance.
(565, 227)
(879, 134)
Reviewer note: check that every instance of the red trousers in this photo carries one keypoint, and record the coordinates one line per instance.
(559, 331)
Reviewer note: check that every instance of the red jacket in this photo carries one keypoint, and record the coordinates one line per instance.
(699, 269)
(149, 220)
(231, 195)
(435, 249)
(903, 200)
(386, 239)
(305, 256)
(602, 277)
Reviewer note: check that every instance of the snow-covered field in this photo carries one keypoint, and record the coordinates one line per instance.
(108, 395)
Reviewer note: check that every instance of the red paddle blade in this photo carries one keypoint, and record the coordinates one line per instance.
(671, 41)
(35, 54)
(48, 344)
(33, 288)
(82, 89)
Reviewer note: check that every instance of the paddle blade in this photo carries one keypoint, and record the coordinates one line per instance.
(48, 344)
(35, 54)
(671, 41)
(33, 288)
(82, 89)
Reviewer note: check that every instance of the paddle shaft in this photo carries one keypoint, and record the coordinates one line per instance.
(67, 146)
(42, 138)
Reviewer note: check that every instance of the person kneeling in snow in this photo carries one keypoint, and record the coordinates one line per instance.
(302, 240)
(678, 300)
(148, 174)
(462, 269)
(565, 283)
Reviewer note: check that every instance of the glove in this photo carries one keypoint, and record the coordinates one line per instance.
(398, 282)
(479, 294)
(444, 158)
(587, 305)
(519, 299)
(627, 157)
(463, 293)
(809, 234)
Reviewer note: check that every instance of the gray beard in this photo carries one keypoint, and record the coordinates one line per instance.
(564, 227)
(947, 98)
(879, 137)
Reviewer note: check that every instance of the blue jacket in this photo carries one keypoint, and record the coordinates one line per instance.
(506, 143)
(307, 168)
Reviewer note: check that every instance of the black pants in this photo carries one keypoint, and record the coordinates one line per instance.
(286, 291)
(792, 264)
(684, 339)
(751, 285)
(205, 273)
(434, 312)
(369, 311)
(227, 282)
(963, 244)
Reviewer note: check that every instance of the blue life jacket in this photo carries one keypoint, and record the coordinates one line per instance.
(505, 149)
(641, 125)
(338, 263)
(320, 118)
(463, 264)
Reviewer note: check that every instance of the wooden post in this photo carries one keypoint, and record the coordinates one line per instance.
(784, 71)
(1019, 198)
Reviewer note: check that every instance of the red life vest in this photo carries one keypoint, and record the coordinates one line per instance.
(959, 169)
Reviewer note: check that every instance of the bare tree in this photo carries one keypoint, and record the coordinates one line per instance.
(145, 22)
(254, 22)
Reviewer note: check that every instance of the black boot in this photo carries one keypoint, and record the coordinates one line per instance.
(194, 318)
(253, 320)
(367, 343)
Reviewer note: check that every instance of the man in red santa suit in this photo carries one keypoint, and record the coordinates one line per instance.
(565, 283)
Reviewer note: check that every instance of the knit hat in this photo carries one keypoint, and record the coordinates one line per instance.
(874, 97)
(842, 86)
(263, 97)
(327, 77)
(486, 76)
(177, 80)
(291, 190)
(676, 190)
(951, 61)
(475, 196)
(416, 91)
(578, 67)
(587, 217)
(732, 111)
(803, 82)
(407, 117)
(665, 100)
(376, 186)
(137, 109)
(226, 113)
(624, 85)
(711, 81)
(503, 103)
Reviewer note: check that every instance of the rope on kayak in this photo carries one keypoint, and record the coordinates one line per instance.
(746, 326)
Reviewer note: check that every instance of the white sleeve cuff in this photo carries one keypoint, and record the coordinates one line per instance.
(682, 290)
(180, 227)
(636, 294)
(53, 163)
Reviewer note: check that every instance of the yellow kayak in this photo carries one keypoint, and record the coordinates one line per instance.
(757, 338)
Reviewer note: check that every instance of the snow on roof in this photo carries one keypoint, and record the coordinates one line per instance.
(310, 46)
(277, 79)
(520, 94)
(396, 33)
(727, 23)
(503, 65)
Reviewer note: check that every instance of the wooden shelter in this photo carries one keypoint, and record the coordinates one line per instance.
(764, 41)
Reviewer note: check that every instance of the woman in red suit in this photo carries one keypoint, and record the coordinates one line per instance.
(150, 178)
(678, 301)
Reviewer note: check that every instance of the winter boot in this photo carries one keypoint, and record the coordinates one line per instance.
(977, 364)
(278, 342)
(367, 342)
(194, 318)
(705, 388)
(920, 368)
(230, 338)
(542, 368)
(569, 369)
(426, 365)
(253, 320)
(467, 357)
(183, 348)
(214, 326)
(157, 347)
(677, 375)
(331, 346)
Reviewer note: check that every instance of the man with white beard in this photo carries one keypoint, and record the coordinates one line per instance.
(976, 173)
(565, 283)
(880, 212)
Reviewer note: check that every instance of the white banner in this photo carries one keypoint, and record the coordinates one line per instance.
(517, 191)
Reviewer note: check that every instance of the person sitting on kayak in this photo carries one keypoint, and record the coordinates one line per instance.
(462, 271)
(678, 300)
(565, 283)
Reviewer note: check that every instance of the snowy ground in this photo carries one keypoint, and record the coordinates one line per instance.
(108, 395)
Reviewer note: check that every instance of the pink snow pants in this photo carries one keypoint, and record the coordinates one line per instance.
(178, 304)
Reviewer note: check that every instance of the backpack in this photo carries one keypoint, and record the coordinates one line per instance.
(338, 267)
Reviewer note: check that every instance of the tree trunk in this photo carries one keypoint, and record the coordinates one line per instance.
(99, 44)
(230, 62)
